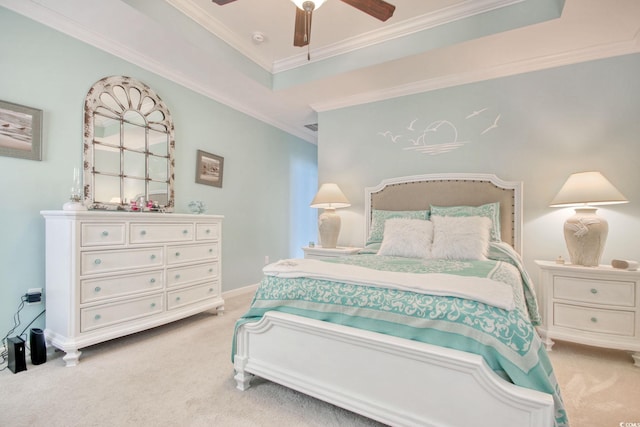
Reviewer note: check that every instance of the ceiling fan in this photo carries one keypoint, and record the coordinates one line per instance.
(379, 9)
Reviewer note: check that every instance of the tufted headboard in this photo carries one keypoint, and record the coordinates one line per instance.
(452, 189)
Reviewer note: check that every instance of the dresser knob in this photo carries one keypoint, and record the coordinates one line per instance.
(153, 304)
(98, 261)
(97, 289)
(185, 231)
(177, 276)
(208, 231)
(177, 298)
(153, 280)
(211, 270)
(105, 233)
(153, 256)
(210, 250)
(177, 253)
(143, 232)
(594, 319)
(594, 291)
(97, 317)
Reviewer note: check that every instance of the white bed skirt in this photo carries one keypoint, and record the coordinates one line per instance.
(395, 381)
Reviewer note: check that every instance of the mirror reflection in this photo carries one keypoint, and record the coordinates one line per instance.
(128, 147)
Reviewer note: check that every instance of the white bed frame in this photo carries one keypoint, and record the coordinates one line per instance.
(393, 380)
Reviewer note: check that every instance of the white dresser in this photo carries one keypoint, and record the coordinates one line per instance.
(597, 306)
(110, 274)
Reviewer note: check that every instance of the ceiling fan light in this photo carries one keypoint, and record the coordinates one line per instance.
(300, 3)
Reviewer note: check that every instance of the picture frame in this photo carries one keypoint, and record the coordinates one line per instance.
(20, 131)
(209, 169)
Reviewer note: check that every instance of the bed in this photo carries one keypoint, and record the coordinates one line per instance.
(444, 337)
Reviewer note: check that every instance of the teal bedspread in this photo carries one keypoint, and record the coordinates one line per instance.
(507, 340)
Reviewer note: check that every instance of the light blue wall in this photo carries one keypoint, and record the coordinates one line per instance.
(551, 123)
(269, 175)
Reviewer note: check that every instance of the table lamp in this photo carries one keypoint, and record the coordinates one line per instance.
(329, 197)
(585, 232)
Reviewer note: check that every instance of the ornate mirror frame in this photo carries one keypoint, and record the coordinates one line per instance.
(128, 148)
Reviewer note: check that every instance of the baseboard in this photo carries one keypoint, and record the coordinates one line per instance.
(240, 291)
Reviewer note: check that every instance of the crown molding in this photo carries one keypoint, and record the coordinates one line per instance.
(414, 25)
(504, 70)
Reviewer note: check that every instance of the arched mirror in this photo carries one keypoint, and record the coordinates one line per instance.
(128, 147)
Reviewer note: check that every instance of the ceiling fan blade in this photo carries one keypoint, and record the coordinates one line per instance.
(302, 32)
(379, 9)
(222, 2)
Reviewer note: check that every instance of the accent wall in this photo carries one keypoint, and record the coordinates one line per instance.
(537, 127)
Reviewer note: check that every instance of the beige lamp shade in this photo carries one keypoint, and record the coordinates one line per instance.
(329, 197)
(585, 233)
(587, 188)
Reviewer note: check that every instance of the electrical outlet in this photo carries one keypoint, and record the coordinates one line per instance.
(34, 296)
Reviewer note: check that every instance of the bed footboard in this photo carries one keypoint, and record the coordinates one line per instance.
(392, 380)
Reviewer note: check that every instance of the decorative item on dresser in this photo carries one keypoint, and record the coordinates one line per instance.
(329, 197)
(585, 232)
(597, 306)
(319, 253)
(110, 274)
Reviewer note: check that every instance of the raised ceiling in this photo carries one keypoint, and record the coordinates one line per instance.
(242, 54)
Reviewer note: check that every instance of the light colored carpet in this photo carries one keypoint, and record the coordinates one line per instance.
(181, 374)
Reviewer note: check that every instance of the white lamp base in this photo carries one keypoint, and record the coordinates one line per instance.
(329, 228)
(585, 234)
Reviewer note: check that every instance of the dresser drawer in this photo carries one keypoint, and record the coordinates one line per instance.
(102, 234)
(616, 322)
(182, 275)
(156, 233)
(181, 297)
(115, 286)
(610, 292)
(186, 253)
(208, 231)
(118, 260)
(110, 314)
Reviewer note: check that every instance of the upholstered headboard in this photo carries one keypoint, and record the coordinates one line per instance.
(421, 191)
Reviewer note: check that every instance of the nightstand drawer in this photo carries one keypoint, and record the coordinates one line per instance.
(610, 292)
(594, 320)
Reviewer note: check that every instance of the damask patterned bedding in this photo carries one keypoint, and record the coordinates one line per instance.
(506, 339)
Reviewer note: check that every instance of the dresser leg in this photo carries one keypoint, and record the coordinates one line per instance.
(548, 342)
(72, 358)
(636, 358)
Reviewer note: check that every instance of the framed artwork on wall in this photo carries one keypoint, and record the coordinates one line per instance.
(20, 131)
(209, 168)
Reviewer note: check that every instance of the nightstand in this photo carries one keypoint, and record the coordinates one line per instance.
(318, 252)
(597, 306)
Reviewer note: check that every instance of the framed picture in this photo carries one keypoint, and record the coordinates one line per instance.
(209, 168)
(20, 131)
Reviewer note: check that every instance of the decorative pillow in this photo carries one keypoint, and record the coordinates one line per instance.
(490, 210)
(409, 238)
(378, 218)
(460, 237)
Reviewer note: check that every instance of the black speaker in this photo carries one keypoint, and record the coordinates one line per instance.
(17, 362)
(38, 346)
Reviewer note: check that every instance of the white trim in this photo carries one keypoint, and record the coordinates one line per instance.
(443, 16)
(240, 291)
(503, 70)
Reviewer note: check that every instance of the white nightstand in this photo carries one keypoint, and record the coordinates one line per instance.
(597, 306)
(318, 252)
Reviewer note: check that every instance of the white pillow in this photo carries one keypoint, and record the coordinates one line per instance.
(409, 238)
(460, 237)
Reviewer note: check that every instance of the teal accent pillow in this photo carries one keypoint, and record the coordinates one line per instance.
(490, 210)
(378, 218)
